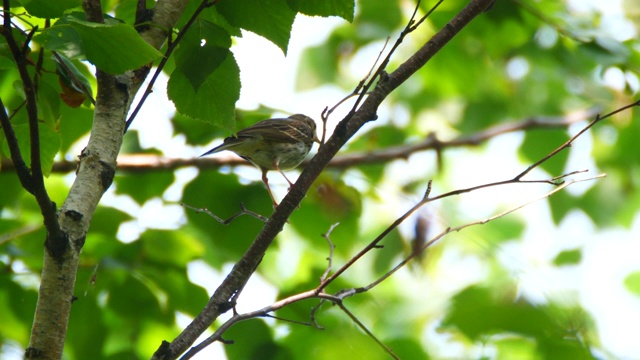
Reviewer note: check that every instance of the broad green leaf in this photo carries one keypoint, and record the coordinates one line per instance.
(132, 297)
(170, 247)
(48, 9)
(222, 194)
(632, 282)
(12, 190)
(112, 47)
(214, 101)
(82, 343)
(329, 201)
(17, 305)
(254, 341)
(49, 145)
(538, 144)
(568, 257)
(63, 38)
(202, 51)
(48, 104)
(341, 8)
(382, 16)
(174, 281)
(143, 186)
(74, 123)
(271, 19)
(561, 203)
(494, 233)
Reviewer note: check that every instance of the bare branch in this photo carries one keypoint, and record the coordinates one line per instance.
(327, 237)
(151, 162)
(56, 241)
(366, 330)
(479, 222)
(244, 268)
(243, 211)
(22, 170)
(574, 137)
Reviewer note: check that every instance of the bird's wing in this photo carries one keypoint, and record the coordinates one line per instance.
(279, 130)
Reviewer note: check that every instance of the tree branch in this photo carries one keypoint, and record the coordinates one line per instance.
(239, 275)
(17, 163)
(151, 162)
(56, 241)
(95, 172)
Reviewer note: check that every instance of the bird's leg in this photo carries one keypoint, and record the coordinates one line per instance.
(283, 175)
(265, 180)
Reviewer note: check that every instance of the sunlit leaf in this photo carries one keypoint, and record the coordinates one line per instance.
(214, 100)
(568, 257)
(632, 282)
(271, 19)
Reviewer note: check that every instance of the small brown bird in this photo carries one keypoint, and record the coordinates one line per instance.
(273, 144)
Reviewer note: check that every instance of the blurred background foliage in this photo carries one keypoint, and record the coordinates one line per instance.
(147, 261)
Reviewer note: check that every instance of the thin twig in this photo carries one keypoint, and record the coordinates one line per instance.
(366, 330)
(56, 240)
(327, 237)
(327, 112)
(574, 137)
(449, 230)
(170, 48)
(243, 211)
(538, 14)
(377, 240)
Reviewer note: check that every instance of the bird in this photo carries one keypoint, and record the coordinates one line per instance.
(273, 144)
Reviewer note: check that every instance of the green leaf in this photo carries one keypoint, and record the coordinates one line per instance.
(342, 8)
(329, 201)
(170, 247)
(49, 145)
(537, 144)
(71, 76)
(222, 194)
(561, 203)
(74, 123)
(214, 101)
(143, 186)
(382, 16)
(48, 9)
(63, 38)
(48, 104)
(202, 51)
(133, 298)
(632, 282)
(113, 47)
(271, 19)
(253, 340)
(568, 257)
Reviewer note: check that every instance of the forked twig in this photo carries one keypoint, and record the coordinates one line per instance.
(327, 237)
(243, 211)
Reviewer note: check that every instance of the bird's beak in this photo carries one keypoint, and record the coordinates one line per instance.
(315, 138)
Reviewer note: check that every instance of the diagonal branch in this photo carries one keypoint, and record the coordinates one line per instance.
(242, 271)
(319, 291)
(56, 240)
(24, 175)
